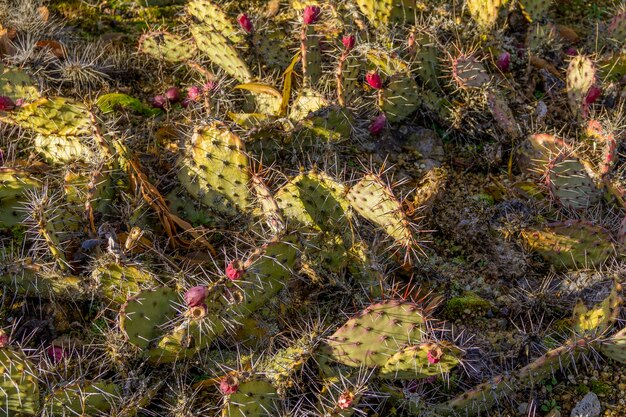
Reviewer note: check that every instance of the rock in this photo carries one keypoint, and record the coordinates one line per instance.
(522, 409)
(589, 406)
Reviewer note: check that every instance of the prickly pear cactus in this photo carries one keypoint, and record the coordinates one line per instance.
(572, 244)
(118, 282)
(581, 76)
(62, 149)
(56, 116)
(19, 389)
(315, 200)
(615, 347)
(597, 320)
(84, 399)
(485, 12)
(17, 84)
(255, 398)
(536, 152)
(214, 169)
(570, 185)
(210, 13)
(219, 50)
(14, 186)
(399, 98)
(372, 199)
(388, 12)
(421, 361)
(167, 46)
(469, 73)
(142, 316)
(535, 10)
(377, 333)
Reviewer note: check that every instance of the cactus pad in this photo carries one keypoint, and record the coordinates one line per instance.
(615, 346)
(214, 169)
(597, 320)
(210, 13)
(118, 282)
(372, 199)
(16, 84)
(167, 47)
(377, 333)
(84, 399)
(572, 244)
(220, 51)
(399, 98)
(143, 315)
(252, 399)
(535, 10)
(485, 12)
(56, 116)
(469, 73)
(14, 185)
(570, 185)
(412, 362)
(388, 12)
(19, 390)
(581, 76)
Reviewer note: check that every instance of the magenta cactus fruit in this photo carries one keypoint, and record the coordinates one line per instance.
(173, 94)
(504, 61)
(229, 384)
(234, 270)
(345, 400)
(434, 355)
(348, 42)
(193, 93)
(311, 15)
(55, 353)
(593, 94)
(158, 101)
(4, 339)
(6, 103)
(378, 125)
(196, 296)
(245, 22)
(374, 80)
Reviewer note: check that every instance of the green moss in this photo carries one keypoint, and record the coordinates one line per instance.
(469, 304)
(599, 387)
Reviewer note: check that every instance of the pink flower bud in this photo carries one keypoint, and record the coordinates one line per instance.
(593, 94)
(311, 14)
(345, 400)
(373, 80)
(196, 296)
(348, 42)
(6, 103)
(504, 61)
(571, 51)
(173, 94)
(229, 385)
(193, 93)
(209, 87)
(245, 22)
(434, 355)
(55, 353)
(4, 339)
(378, 125)
(234, 270)
(158, 101)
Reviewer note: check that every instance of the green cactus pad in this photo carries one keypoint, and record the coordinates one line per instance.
(62, 149)
(427, 59)
(14, 185)
(535, 10)
(214, 169)
(389, 64)
(535, 153)
(349, 79)
(281, 366)
(469, 73)
(412, 362)
(308, 101)
(143, 315)
(399, 98)
(485, 12)
(315, 200)
(118, 282)
(581, 76)
(388, 12)
(84, 399)
(597, 320)
(252, 399)
(56, 116)
(377, 333)
(263, 98)
(570, 185)
(615, 346)
(311, 56)
(372, 199)
(167, 47)
(19, 389)
(210, 13)
(220, 51)
(109, 103)
(16, 84)
(571, 244)
(329, 124)
(272, 45)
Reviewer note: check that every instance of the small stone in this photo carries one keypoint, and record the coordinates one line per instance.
(589, 406)
(522, 409)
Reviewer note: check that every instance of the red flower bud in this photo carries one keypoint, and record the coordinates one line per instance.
(434, 355)
(6, 103)
(311, 14)
(348, 42)
(234, 270)
(55, 353)
(373, 79)
(196, 296)
(378, 125)
(173, 94)
(504, 61)
(245, 22)
(593, 94)
(229, 385)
